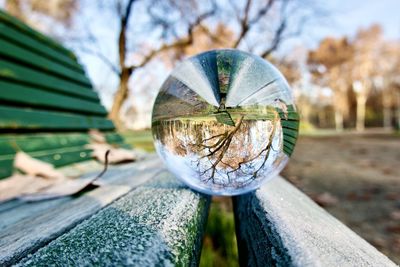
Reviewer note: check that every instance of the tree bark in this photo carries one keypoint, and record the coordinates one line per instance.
(398, 110)
(361, 104)
(122, 92)
(119, 98)
(338, 121)
(387, 112)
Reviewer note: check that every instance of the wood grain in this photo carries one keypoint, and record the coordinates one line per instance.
(160, 223)
(280, 226)
(39, 223)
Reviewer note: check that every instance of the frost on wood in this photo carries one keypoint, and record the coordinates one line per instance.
(280, 226)
(159, 223)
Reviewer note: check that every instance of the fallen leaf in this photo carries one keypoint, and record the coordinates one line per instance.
(395, 215)
(18, 184)
(66, 188)
(35, 167)
(97, 137)
(325, 199)
(116, 155)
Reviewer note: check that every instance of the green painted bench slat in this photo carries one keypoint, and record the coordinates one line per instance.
(23, 40)
(19, 73)
(289, 139)
(290, 132)
(33, 142)
(31, 96)
(57, 149)
(225, 118)
(280, 226)
(6, 167)
(290, 115)
(44, 89)
(294, 125)
(43, 39)
(36, 142)
(21, 118)
(160, 223)
(39, 62)
(58, 157)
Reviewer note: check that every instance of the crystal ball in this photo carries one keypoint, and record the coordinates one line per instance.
(224, 122)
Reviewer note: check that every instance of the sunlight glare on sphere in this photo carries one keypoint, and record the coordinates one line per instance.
(224, 122)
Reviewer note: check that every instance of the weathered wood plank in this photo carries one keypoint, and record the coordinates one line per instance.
(35, 97)
(24, 74)
(280, 226)
(29, 42)
(22, 118)
(158, 224)
(39, 225)
(37, 61)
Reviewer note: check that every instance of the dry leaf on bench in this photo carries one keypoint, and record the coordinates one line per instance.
(117, 155)
(325, 199)
(66, 188)
(97, 137)
(35, 167)
(18, 184)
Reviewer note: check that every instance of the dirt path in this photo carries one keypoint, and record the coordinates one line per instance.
(357, 179)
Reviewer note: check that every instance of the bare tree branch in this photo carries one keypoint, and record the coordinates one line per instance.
(279, 32)
(122, 34)
(276, 40)
(246, 22)
(102, 57)
(185, 41)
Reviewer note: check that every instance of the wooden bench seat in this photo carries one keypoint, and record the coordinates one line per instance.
(138, 213)
(160, 223)
(152, 200)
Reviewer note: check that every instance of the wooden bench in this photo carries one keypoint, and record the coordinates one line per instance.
(47, 107)
(139, 214)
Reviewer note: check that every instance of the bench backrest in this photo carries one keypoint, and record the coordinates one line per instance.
(47, 103)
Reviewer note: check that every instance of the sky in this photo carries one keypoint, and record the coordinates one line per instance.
(347, 16)
(352, 14)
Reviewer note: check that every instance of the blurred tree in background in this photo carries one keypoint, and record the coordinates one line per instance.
(345, 82)
(168, 30)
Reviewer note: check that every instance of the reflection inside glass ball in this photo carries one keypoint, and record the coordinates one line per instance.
(224, 122)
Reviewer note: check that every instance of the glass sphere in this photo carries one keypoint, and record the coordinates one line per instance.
(224, 122)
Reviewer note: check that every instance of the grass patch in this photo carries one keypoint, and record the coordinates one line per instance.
(219, 245)
(139, 139)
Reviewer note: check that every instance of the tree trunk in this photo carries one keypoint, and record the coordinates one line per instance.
(119, 98)
(361, 104)
(387, 117)
(387, 112)
(338, 121)
(398, 110)
(321, 118)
